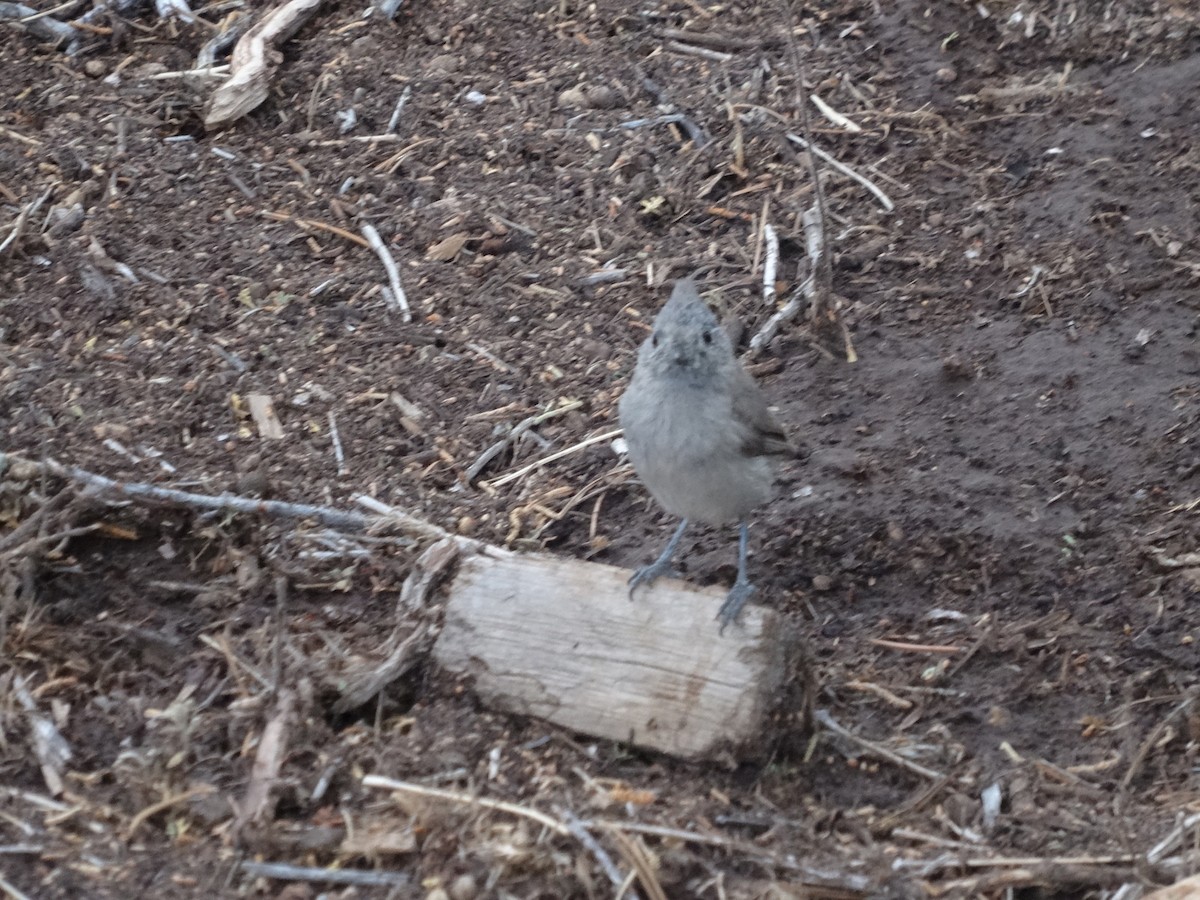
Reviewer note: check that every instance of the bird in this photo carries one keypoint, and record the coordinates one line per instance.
(699, 433)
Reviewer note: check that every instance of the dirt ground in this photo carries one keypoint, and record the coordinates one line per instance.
(989, 538)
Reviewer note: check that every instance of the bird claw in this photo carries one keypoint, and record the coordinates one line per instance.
(738, 595)
(647, 575)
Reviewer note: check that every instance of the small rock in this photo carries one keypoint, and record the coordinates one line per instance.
(822, 583)
(594, 349)
(95, 68)
(464, 888)
(444, 64)
(63, 221)
(946, 74)
(954, 368)
(209, 809)
(364, 47)
(601, 97)
(252, 484)
(573, 98)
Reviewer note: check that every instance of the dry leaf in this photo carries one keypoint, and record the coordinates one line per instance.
(446, 250)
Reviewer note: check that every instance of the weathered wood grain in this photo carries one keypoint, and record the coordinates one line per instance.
(562, 641)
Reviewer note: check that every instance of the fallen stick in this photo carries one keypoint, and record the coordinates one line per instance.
(359, 877)
(553, 457)
(254, 61)
(23, 216)
(884, 200)
(824, 718)
(517, 430)
(770, 263)
(814, 234)
(337, 518)
(398, 299)
(41, 25)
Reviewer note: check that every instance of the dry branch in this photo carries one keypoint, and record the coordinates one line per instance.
(254, 60)
(884, 200)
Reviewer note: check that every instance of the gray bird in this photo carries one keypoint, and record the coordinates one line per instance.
(699, 432)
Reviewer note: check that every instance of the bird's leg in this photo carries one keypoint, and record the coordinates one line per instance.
(742, 588)
(661, 566)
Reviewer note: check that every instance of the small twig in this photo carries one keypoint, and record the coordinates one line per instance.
(234, 662)
(809, 289)
(98, 483)
(879, 750)
(714, 39)
(394, 121)
(52, 11)
(869, 687)
(884, 200)
(256, 804)
(398, 300)
(702, 52)
(770, 263)
(915, 648)
(205, 72)
(590, 844)
(27, 211)
(42, 27)
(1182, 561)
(313, 223)
(163, 805)
(695, 132)
(833, 115)
(420, 790)
(497, 363)
(11, 892)
(359, 877)
(339, 454)
(1152, 738)
(517, 430)
(850, 882)
(604, 276)
(47, 540)
(52, 750)
(281, 594)
(553, 457)
(634, 851)
(380, 674)
(407, 523)
(1158, 852)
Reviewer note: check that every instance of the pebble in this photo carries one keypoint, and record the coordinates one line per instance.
(464, 888)
(444, 63)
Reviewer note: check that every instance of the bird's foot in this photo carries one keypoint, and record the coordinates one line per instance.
(647, 575)
(738, 595)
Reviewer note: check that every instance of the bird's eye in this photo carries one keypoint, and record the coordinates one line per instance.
(654, 339)
(707, 337)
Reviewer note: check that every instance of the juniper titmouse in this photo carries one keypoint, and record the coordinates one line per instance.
(699, 431)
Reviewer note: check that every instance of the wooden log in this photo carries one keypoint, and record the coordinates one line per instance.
(562, 641)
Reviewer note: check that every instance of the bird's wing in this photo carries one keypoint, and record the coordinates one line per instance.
(764, 435)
